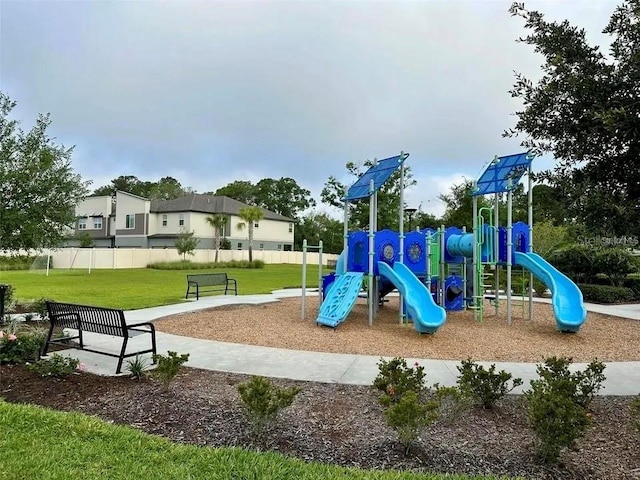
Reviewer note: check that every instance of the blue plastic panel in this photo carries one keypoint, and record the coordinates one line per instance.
(379, 173)
(341, 298)
(503, 174)
(358, 244)
(387, 248)
(415, 252)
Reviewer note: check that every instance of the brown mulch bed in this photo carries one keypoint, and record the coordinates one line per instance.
(279, 324)
(337, 424)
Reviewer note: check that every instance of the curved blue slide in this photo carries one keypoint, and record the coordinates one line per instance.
(566, 297)
(340, 299)
(426, 314)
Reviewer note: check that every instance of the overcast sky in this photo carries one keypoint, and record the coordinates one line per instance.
(211, 92)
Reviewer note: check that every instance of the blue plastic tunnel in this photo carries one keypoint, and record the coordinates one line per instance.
(460, 245)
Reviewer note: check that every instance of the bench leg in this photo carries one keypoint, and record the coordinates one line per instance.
(121, 358)
(45, 349)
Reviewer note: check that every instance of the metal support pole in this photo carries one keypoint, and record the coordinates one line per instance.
(530, 247)
(509, 252)
(476, 238)
(345, 246)
(401, 315)
(443, 246)
(371, 250)
(496, 252)
(304, 279)
(320, 292)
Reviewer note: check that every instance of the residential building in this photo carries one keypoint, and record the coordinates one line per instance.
(130, 221)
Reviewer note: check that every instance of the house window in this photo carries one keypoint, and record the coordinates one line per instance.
(239, 245)
(82, 224)
(262, 246)
(256, 225)
(130, 221)
(181, 220)
(279, 247)
(164, 220)
(97, 223)
(290, 227)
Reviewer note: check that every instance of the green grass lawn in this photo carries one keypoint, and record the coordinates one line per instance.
(44, 444)
(141, 288)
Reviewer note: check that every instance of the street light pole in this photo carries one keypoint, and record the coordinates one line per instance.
(410, 212)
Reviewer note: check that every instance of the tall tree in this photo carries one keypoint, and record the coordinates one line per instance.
(250, 215)
(218, 222)
(388, 197)
(38, 188)
(320, 226)
(283, 196)
(585, 110)
(241, 190)
(459, 205)
(167, 188)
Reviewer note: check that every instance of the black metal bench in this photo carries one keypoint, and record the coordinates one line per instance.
(217, 281)
(107, 321)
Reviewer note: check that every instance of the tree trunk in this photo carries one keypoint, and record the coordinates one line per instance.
(251, 241)
(217, 240)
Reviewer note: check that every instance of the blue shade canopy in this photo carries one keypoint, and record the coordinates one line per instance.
(503, 174)
(379, 173)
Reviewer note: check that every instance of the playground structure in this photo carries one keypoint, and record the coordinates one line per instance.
(447, 269)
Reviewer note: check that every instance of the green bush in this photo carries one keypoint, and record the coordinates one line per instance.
(168, 367)
(451, 402)
(633, 284)
(635, 413)
(557, 404)
(484, 386)
(263, 401)
(576, 261)
(615, 264)
(21, 347)
(56, 366)
(189, 265)
(395, 379)
(409, 416)
(138, 367)
(606, 293)
(23, 262)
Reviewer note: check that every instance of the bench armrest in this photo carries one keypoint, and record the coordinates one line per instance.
(135, 326)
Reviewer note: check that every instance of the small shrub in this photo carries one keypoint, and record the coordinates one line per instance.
(580, 386)
(606, 293)
(8, 300)
(635, 413)
(138, 367)
(395, 379)
(451, 402)
(409, 416)
(557, 404)
(263, 401)
(484, 386)
(168, 367)
(20, 347)
(56, 366)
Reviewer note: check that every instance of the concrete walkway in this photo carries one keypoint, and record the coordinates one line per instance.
(623, 378)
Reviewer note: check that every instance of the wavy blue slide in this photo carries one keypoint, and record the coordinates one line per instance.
(566, 297)
(426, 314)
(340, 299)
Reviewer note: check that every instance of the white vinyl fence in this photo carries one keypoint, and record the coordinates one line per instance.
(116, 258)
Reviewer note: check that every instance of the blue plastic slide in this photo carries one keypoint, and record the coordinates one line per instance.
(340, 299)
(566, 297)
(426, 314)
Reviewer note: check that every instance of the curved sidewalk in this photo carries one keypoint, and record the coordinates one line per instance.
(623, 378)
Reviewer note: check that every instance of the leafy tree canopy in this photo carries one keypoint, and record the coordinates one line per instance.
(283, 196)
(320, 226)
(167, 188)
(38, 188)
(388, 197)
(585, 110)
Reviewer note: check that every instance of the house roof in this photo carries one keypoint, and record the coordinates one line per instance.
(208, 204)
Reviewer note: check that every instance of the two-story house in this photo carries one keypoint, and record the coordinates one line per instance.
(130, 221)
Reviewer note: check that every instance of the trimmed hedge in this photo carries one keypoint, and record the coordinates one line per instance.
(606, 293)
(188, 265)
